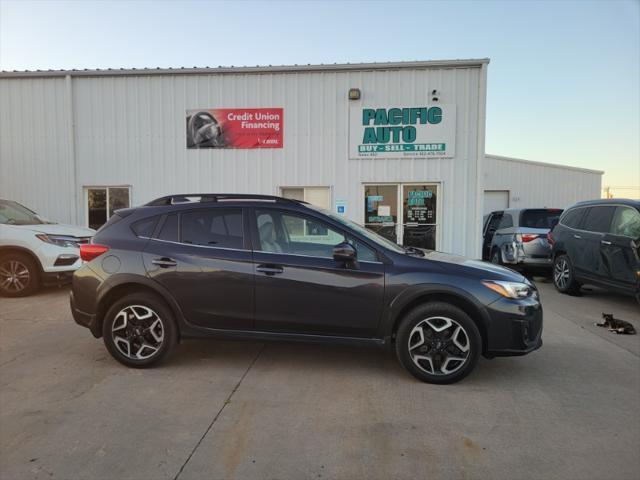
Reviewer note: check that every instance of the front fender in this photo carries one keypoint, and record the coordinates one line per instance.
(411, 294)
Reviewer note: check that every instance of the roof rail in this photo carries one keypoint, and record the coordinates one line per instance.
(215, 197)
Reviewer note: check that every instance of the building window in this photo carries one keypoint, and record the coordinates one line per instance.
(318, 196)
(103, 201)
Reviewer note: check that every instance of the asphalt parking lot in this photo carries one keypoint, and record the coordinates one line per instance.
(223, 410)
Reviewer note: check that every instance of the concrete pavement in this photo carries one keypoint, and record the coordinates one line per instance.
(223, 410)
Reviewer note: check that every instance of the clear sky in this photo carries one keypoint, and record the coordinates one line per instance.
(564, 78)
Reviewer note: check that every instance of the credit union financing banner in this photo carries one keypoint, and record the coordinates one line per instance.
(235, 128)
(398, 131)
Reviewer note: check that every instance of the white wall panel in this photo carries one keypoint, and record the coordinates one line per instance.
(535, 184)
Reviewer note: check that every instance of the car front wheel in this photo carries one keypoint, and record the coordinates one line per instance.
(19, 275)
(438, 343)
(139, 330)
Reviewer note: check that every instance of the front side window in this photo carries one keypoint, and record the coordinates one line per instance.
(598, 219)
(626, 222)
(506, 221)
(290, 233)
(216, 227)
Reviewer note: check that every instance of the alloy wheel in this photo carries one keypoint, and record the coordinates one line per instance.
(439, 345)
(137, 332)
(561, 273)
(14, 276)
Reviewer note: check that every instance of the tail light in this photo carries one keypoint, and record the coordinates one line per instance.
(89, 251)
(528, 237)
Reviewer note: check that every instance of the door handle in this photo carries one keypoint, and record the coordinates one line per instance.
(164, 262)
(576, 236)
(269, 269)
(605, 242)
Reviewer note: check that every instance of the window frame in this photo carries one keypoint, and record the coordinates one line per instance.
(255, 235)
(86, 189)
(615, 213)
(208, 209)
(583, 222)
(246, 230)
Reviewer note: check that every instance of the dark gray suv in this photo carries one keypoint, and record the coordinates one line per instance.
(598, 242)
(261, 267)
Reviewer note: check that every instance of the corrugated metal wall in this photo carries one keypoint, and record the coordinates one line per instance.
(130, 130)
(532, 184)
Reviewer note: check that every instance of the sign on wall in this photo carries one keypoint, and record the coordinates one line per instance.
(235, 128)
(402, 131)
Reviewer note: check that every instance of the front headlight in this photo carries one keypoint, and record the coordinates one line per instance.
(58, 240)
(509, 289)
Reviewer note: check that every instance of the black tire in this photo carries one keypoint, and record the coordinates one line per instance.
(20, 267)
(139, 303)
(495, 257)
(564, 275)
(415, 320)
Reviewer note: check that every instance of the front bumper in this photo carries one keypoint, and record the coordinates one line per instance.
(515, 327)
(83, 318)
(57, 278)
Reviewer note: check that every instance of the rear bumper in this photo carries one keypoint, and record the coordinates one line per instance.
(83, 318)
(515, 327)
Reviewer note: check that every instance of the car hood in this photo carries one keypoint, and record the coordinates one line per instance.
(58, 229)
(478, 268)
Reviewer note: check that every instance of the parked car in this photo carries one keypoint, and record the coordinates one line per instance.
(263, 267)
(598, 242)
(518, 237)
(35, 251)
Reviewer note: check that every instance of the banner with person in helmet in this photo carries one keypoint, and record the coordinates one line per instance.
(235, 128)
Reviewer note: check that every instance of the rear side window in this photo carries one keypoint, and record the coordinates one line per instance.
(216, 227)
(543, 218)
(506, 222)
(169, 230)
(598, 219)
(144, 227)
(573, 217)
(626, 222)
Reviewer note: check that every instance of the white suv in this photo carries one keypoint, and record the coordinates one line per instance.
(35, 251)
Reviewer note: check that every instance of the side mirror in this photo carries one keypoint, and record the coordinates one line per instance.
(344, 252)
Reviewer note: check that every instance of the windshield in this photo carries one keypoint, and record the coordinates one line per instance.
(368, 234)
(12, 213)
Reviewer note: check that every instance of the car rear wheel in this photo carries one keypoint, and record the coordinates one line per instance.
(495, 257)
(139, 330)
(438, 343)
(563, 275)
(19, 275)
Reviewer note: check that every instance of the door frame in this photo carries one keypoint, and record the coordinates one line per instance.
(400, 191)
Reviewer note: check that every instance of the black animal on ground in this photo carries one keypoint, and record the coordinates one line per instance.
(616, 325)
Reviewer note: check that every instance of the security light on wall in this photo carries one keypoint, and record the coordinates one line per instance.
(354, 94)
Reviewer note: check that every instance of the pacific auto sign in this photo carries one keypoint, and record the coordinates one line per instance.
(400, 132)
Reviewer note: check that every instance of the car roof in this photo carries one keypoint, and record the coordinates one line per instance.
(518, 210)
(609, 201)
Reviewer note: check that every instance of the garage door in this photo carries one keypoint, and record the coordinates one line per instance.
(495, 200)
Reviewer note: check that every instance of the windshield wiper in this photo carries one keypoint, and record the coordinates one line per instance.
(413, 251)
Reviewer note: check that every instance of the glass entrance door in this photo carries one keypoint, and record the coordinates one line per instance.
(381, 210)
(419, 216)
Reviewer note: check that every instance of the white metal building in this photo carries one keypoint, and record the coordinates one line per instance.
(398, 146)
(517, 183)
